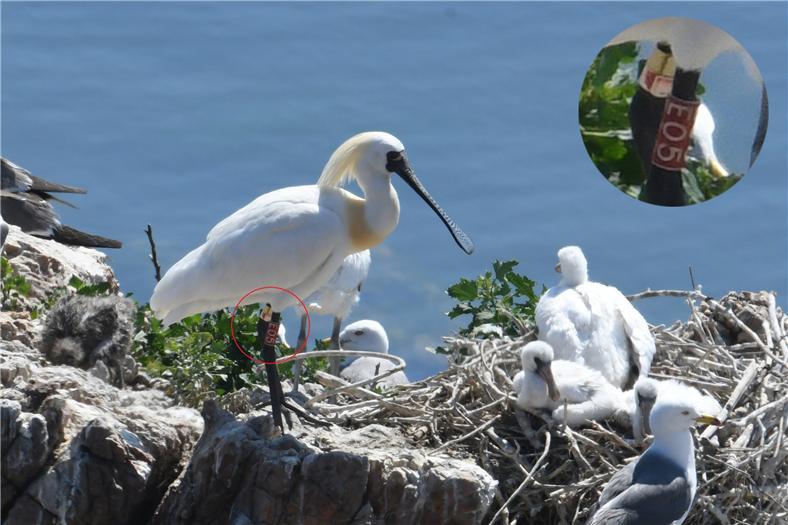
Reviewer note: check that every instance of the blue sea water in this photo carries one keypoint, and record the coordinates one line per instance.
(176, 114)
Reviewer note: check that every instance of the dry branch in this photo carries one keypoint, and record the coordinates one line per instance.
(732, 348)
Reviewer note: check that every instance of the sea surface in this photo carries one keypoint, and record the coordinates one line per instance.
(177, 114)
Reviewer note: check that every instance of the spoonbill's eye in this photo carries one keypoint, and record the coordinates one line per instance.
(359, 332)
(685, 412)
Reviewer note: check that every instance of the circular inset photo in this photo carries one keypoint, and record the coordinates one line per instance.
(673, 111)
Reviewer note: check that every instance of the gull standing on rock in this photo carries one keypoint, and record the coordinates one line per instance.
(594, 324)
(658, 488)
(545, 383)
(296, 238)
(370, 336)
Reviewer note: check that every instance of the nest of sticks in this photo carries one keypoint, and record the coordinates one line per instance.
(734, 349)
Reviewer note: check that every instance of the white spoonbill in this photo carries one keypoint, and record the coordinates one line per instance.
(545, 383)
(659, 486)
(594, 324)
(296, 237)
(640, 401)
(335, 298)
(368, 335)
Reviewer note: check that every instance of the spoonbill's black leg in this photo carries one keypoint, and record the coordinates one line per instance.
(333, 362)
(664, 183)
(267, 330)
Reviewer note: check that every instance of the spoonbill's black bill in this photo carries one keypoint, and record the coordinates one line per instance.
(398, 163)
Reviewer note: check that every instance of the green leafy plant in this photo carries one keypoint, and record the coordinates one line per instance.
(502, 298)
(15, 286)
(198, 356)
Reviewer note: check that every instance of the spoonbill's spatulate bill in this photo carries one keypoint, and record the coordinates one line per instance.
(594, 324)
(640, 401)
(370, 336)
(572, 392)
(25, 201)
(658, 487)
(296, 237)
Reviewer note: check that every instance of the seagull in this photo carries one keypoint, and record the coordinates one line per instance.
(368, 335)
(26, 200)
(594, 324)
(296, 237)
(572, 392)
(657, 488)
(336, 298)
(641, 399)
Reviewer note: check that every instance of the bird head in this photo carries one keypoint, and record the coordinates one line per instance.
(366, 335)
(674, 412)
(537, 358)
(645, 397)
(371, 158)
(572, 266)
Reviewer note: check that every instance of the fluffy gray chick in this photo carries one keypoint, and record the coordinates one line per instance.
(81, 330)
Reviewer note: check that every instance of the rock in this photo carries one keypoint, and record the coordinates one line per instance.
(48, 265)
(78, 450)
(240, 472)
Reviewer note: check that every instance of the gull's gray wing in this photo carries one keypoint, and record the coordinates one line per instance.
(620, 481)
(658, 494)
(30, 212)
(17, 179)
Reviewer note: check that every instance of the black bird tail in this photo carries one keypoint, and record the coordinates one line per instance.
(40, 184)
(69, 235)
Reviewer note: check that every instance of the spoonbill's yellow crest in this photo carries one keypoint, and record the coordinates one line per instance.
(296, 237)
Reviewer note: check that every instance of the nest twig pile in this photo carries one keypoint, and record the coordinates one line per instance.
(734, 349)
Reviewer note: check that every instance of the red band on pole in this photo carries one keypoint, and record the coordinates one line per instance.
(675, 133)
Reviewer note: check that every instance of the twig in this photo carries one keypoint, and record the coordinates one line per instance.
(153, 256)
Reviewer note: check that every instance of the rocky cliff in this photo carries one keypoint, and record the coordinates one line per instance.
(77, 449)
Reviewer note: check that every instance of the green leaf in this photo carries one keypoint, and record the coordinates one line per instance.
(464, 290)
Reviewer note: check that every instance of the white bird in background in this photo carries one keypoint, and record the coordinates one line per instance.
(370, 336)
(3, 231)
(640, 401)
(545, 383)
(594, 324)
(659, 487)
(336, 298)
(703, 141)
(296, 237)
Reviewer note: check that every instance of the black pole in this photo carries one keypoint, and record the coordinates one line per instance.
(668, 158)
(655, 82)
(267, 330)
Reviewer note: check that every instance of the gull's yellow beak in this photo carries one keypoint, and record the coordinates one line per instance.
(717, 169)
(709, 420)
(558, 267)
